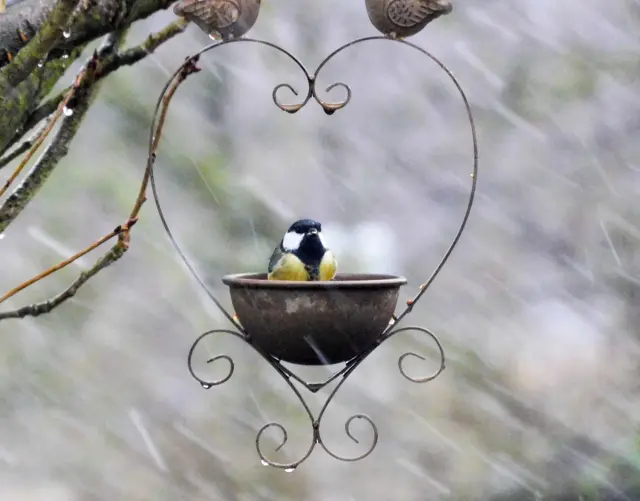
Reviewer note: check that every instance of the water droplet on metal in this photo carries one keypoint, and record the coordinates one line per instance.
(206, 386)
(264, 463)
(66, 33)
(67, 111)
(289, 470)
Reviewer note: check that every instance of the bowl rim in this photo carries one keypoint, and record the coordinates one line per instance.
(382, 281)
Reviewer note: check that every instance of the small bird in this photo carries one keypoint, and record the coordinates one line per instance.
(225, 19)
(302, 255)
(403, 18)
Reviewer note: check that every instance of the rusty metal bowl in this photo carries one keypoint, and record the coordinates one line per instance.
(314, 323)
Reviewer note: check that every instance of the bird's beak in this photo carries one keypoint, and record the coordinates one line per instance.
(313, 231)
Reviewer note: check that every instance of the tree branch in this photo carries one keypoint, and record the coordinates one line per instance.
(12, 207)
(189, 69)
(135, 54)
(36, 309)
(40, 172)
(38, 48)
(118, 250)
(26, 145)
(97, 18)
(117, 231)
(80, 80)
(125, 58)
(25, 19)
(23, 99)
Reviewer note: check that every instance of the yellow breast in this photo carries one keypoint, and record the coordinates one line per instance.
(289, 267)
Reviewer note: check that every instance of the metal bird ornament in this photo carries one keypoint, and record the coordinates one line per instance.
(224, 19)
(403, 18)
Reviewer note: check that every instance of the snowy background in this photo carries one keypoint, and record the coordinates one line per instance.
(538, 308)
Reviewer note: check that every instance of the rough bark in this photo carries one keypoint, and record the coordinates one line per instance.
(90, 20)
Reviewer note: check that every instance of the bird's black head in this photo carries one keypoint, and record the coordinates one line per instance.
(304, 238)
(304, 226)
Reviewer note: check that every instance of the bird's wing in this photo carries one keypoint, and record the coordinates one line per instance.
(275, 257)
(409, 13)
(212, 13)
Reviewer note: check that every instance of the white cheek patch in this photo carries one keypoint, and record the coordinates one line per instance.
(322, 240)
(291, 241)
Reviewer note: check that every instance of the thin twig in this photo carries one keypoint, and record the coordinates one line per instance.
(118, 250)
(38, 47)
(49, 127)
(182, 76)
(36, 309)
(81, 94)
(26, 191)
(125, 58)
(117, 231)
(7, 159)
(133, 55)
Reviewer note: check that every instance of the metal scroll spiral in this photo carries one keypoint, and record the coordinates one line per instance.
(315, 421)
(288, 376)
(316, 425)
(392, 330)
(207, 384)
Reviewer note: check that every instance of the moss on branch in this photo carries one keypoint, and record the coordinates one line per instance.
(37, 49)
(21, 100)
(91, 20)
(125, 58)
(85, 91)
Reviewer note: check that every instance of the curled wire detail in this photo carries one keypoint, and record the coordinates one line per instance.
(291, 466)
(347, 429)
(329, 107)
(409, 354)
(316, 439)
(314, 421)
(289, 108)
(206, 384)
